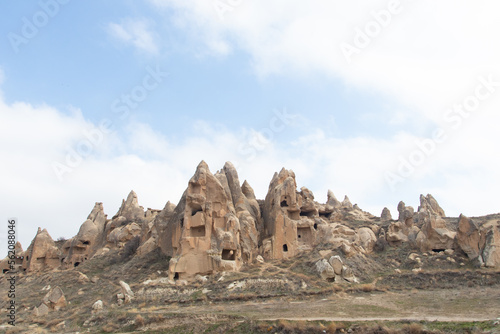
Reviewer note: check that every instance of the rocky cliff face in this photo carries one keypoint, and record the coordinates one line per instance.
(219, 225)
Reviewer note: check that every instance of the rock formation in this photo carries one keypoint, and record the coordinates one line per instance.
(468, 237)
(42, 253)
(219, 225)
(430, 205)
(213, 228)
(489, 244)
(53, 301)
(89, 238)
(284, 228)
(386, 215)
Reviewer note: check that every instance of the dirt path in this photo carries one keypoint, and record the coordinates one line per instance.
(442, 305)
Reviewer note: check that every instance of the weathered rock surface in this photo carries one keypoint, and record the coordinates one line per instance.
(42, 253)
(88, 240)
(385, 215)
(220, 225)
(54, 300)
(130, 209)
(490, 244)
(435, 235)
(468, 237)
(214, 226)
(430, 205)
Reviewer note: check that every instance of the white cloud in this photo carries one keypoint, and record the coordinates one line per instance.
(427, 57)
(136, 32)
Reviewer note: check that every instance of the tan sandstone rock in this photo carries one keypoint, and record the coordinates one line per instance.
(468, 237)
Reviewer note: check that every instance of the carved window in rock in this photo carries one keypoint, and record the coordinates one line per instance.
(304, 235)
(198, 231)
(229, 254)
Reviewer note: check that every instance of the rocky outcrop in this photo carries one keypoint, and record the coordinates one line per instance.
(42, 254)
(54, 300)
(468, 237)
(213, 228)
(89, 239)
(282, 218)
(130, 209)
(126, 294)
(19, 260)
(385, 215)
(489, 244)
(366, 239)
(434, 235)
(335, 270)
(430, 205)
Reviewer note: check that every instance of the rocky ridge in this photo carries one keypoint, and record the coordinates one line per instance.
(218, 225)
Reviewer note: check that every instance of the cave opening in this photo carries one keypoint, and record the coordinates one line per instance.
(229, 254)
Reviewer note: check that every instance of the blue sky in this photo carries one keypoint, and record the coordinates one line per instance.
(363, 121)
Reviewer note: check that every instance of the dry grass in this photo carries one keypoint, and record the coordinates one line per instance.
(413, 328)
(331, 328)
(139, 321)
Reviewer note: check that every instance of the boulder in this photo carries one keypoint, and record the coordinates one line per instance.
(55, 299)
(435, 235)
(97, 306)
(324, 269)
(366, 239)
(126, 289)
(41, 310)
(337, 264)
(397, 233)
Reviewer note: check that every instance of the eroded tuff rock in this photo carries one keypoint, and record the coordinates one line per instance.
(219, 225)
(386, 215)
(89, 239)
(335, 270)
(54, 300)
(468, 237)
(19, 260)
(213, 228)
(42, 253)
(402, 230)
(130, 209)
(434, 235)
(489, 243)
(430, 205)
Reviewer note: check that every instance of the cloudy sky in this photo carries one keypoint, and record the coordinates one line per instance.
(377, 100)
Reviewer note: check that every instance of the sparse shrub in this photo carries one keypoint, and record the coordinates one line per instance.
(413, 328)
(61, 239)
(131, 247)
(331, 328)
(139, 321)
